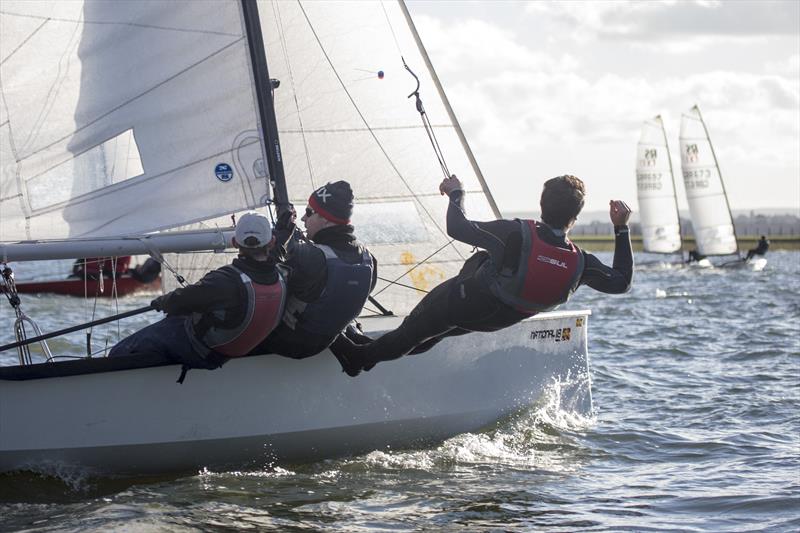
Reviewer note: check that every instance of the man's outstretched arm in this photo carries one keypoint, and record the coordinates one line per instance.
(618, 278)
(489, 236)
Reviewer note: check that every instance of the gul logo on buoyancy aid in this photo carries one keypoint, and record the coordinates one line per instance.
(265, 305)
(346, 290)
(546, 275)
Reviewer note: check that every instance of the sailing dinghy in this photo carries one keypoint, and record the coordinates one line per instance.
(108, 156)
(655, 185)
(714, 231)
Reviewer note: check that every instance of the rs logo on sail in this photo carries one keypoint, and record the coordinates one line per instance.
(551, 261)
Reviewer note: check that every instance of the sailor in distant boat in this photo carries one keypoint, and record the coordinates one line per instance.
(225, 314)
(331, 277)
(525, 267)
(761, 248)
(695, 256)
(93, 267)
(147, 271)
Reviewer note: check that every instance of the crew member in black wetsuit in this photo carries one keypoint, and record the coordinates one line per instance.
(761, 248)
(225, 314)
(332, 275)
(695, 255)
(526, 267)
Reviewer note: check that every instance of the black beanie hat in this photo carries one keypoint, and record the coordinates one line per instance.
(333, 202)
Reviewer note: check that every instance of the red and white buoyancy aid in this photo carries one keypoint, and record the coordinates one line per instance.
(545, 277)
(265, 304)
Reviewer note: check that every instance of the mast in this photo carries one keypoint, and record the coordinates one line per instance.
(450, 112)
(672, 176)
(721, 181)
(266, 103)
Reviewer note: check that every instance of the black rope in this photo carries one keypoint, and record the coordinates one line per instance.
(382, 309)
(75, 328)
(426, 123)
(402, 284)
(394, 282)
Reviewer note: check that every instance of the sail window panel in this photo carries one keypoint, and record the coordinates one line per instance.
(111, 162)
(178, 74)
(87, 61)
(388, 223)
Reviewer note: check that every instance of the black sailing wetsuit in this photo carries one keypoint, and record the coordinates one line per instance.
(221, 299)
(761, 248)
(464, 303)
(307, 280)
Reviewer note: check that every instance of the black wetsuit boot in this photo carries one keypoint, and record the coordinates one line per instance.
(428, 320)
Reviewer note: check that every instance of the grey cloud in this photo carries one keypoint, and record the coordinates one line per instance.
(648, 21)
(779, 94)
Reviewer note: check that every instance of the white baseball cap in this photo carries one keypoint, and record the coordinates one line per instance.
(253, 226)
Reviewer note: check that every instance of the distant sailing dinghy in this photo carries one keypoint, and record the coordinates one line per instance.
(655, 185)
(125, 119)
(710, 211)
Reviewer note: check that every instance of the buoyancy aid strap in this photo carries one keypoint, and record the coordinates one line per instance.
(328, 251)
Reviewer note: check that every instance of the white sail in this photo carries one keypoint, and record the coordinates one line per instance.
(708, 202)
(344, 113)
(655, 184)
(121, 118)
(340, 119)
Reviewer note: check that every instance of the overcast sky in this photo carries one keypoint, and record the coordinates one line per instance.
(548, 88)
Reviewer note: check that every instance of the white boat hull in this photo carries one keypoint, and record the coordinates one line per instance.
(263, 409)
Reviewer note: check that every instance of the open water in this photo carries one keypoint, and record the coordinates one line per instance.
(696, 384)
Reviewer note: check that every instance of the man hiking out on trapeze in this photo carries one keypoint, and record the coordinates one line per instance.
(525, 267)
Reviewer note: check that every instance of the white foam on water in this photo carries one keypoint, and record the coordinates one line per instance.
(268, 471)
(512, 442)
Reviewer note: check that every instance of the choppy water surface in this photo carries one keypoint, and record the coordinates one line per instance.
(696, 428)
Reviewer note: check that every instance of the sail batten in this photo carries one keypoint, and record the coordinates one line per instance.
(705, 191)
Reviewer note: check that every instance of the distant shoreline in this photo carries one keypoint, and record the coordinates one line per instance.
(605, 243)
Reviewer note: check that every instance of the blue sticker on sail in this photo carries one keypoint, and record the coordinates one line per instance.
(224, 172)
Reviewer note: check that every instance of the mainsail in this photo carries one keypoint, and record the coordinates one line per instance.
(343, 113)
(708, 202)
(655, 183)
(122, 118)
